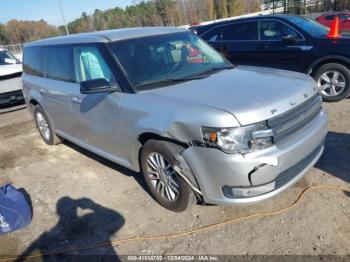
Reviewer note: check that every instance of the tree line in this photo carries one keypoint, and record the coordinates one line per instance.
(159, 13)
(162, 13)
(302, 7)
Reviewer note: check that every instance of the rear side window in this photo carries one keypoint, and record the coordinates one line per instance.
(344, 17)
(275, 30)
(58, 64)
(32, 61)
(329, 17)
(213, 35)
(240, 31)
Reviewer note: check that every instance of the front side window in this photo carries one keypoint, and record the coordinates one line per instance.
(6, 58)
(275, 30)
(58, 63)
(32, 61)
(241, 31)
(90, 65)
(158, 60)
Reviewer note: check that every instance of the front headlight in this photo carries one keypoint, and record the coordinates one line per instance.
(239, 139)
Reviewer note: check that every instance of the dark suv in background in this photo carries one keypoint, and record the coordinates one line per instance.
(285, 42)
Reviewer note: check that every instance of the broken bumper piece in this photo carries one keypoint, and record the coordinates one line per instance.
(240, 179)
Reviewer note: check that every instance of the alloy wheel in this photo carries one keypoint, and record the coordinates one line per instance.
(43, 126)
(163, 177)
(331, 83)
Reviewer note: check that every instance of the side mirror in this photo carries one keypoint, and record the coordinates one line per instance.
(96, 86)
(289, 38)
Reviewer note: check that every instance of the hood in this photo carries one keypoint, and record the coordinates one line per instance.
(10, 69)
(251, 94)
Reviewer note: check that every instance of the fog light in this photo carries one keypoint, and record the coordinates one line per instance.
(241, 192)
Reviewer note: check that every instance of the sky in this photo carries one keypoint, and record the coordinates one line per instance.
(49, 9)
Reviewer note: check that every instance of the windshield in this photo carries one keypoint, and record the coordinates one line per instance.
(159, 60)
(6, 58)
(308, 25)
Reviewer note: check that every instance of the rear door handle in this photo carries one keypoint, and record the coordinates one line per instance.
(76, 100)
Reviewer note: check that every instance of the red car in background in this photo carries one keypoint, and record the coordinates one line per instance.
(328, 18)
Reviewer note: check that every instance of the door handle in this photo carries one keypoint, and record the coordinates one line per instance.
(76, 100)
(43, 91)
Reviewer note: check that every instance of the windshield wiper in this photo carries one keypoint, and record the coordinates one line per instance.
(171, 80)
(213, 70)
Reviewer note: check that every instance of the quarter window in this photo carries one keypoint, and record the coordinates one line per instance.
(275, 30)
(89, 65)
(58, 63)
(240, 31)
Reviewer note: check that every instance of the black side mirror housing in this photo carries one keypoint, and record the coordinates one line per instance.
(290, 38)
(96, 86)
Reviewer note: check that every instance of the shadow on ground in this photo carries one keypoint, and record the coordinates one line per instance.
(123, 170)
(336, 157)
(83, 225)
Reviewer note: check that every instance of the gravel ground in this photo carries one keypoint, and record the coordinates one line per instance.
(82, 200)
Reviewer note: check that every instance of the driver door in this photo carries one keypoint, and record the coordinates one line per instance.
(97, 116)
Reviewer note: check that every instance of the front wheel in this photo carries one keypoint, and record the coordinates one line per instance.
(166, 186)
(333, 81)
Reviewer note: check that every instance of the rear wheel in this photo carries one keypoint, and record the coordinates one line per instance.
(333, 81)
(166, 186)
(44, 127)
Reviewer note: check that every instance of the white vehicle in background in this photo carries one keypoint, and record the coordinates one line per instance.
(10, 80)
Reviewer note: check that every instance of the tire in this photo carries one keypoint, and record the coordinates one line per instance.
(44, 126)
(333, 81)
(167, 177)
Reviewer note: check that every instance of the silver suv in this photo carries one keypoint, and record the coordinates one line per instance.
(160, 101)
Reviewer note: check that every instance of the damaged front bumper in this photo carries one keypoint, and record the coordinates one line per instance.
(237, 179)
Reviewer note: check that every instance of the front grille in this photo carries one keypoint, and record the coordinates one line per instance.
(13, 97)
(295, 119)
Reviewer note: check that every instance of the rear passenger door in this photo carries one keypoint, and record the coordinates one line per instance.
(236, 41)
(57, 86)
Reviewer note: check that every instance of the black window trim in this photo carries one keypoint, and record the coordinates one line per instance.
(122, 82)
(255, 20)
